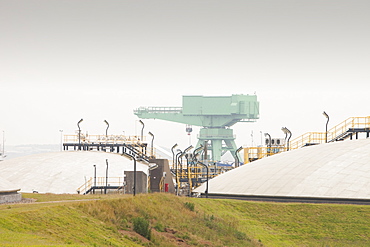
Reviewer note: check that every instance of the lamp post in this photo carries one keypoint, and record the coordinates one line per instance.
(79, 134)
(142, 129)
(106, 178)
(287, 132)
(173, 160)
(187, 166)
(269, 144)
(196, 152)
(326, 127)
(94, 179)
(106, 131)
(207, 176)
(61, 140)
(179, 152)
(237, 158)
(133, 157)
(151, 150)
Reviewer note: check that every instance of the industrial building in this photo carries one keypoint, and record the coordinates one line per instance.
(69, 171)
(330, 172)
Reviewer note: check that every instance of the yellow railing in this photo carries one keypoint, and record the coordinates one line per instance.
(310, 138)
(255, 153)
(352, 122)
(334, 132)
(100, 181)
(161, 185)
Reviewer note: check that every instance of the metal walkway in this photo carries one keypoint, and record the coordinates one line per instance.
(348, 129)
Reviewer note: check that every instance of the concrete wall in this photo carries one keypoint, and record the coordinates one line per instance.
(10, 197)
(156, 175)
(141, 182)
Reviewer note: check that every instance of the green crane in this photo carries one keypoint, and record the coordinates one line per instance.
(216, 114)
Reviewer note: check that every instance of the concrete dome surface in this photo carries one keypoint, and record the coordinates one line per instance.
(339, 170)
(6, 186)
(63, 172)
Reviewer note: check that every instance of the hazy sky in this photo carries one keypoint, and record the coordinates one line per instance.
(61, 61)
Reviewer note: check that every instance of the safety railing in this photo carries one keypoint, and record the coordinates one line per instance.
(111, 139)
(100, 182)
(158, 110)
(310, 138)
(307, 139)
(255, 153)
(334, 133)
(350, 123)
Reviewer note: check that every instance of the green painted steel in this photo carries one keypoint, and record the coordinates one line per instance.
(214, 113)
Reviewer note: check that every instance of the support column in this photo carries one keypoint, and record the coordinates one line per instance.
(217, 136)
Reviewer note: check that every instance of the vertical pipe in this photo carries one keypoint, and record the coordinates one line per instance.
(173, 161)
(142, 129)
(134, 176)
(106, 177)
(94, 179)
(177, 168)
(133, 157)
(79, 134)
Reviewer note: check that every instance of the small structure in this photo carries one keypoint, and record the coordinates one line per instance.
(161, 179)
(141, 182)
(9, 192)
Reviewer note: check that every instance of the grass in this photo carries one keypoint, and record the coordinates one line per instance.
(173, 220)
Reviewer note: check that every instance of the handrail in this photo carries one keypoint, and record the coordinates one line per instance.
(310, 138)
(333, 133)
(111, 139)
(158, 110)
(100, 181)
(255, 153)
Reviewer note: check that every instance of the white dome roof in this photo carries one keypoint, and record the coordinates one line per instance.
(332, 170)
(6, 186)
(63, 172)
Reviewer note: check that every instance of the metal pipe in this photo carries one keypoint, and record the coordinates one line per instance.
(106, 131)
(196, 152)
(187, 166)
(94, 179)
(177, 178)
(79, 134)
(106, 178)
(285, 130)
(236, 156)
(152, 150)
(142, 129)
(173, 160)
(133, 157)
(290, 135)
(326, 127)
(269, 144)
(198, 162)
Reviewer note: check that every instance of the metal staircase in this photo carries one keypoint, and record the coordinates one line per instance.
(344, 130)
(102, 185)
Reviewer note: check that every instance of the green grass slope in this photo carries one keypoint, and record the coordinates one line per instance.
(179, 221)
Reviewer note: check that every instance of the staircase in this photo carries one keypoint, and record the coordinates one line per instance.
(101, 186)
(346, 129)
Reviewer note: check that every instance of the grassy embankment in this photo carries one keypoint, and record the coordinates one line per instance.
(179, 221)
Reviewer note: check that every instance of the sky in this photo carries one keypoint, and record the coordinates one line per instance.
(61, 61)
